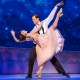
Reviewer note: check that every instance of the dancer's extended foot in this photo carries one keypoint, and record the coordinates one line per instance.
(39, 74)
(28, 76)
(66, 74)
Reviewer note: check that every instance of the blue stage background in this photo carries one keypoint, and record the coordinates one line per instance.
(16, 15)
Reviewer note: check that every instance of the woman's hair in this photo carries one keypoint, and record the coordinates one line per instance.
(21, 36)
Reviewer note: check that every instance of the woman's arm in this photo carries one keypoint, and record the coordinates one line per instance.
(59, 14)
(17, 40)
(13, 34)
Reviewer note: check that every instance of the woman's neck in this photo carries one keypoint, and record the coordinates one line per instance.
(28, 35)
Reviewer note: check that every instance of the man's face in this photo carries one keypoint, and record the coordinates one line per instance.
(35, 20)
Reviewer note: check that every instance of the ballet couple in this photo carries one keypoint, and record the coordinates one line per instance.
(47, 42)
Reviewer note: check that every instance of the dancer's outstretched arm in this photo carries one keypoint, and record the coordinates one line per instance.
(59, 14)
(49, 18)
(13, 34)
(54, 25)
(17, 40)
(51, 15)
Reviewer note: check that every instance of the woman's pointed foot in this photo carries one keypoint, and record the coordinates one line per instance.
(39, 75)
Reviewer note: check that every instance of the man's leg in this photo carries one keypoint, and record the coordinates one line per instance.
(58, 66)
(32, 58)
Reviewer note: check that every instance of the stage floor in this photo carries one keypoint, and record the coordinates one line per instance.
(44, 77)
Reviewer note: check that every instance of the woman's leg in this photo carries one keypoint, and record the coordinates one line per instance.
(59, 14)
(40, 70)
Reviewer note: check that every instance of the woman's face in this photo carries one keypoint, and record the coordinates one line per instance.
(24, 32)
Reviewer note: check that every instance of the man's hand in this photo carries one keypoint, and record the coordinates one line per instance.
(60, 4)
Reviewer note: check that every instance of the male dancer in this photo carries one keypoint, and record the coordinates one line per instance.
(32, 57)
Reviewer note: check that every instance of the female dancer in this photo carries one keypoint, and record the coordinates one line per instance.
(46, 43)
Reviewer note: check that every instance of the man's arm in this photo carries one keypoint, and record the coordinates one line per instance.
(51, 15)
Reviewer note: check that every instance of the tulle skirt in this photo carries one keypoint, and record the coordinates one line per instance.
(48, 45)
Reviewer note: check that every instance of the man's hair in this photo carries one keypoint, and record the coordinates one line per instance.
(21, 36)
(36, 16)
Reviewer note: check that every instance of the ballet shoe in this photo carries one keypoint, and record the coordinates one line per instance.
(39, 75)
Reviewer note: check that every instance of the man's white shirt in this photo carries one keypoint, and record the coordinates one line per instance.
(46, 22)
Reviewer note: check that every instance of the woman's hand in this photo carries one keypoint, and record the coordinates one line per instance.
(12, 32)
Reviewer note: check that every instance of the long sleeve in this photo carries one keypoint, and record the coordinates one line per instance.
(49, 18)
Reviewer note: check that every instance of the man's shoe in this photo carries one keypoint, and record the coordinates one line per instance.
(66, 74)
(29, 76)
